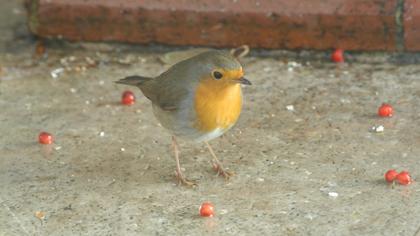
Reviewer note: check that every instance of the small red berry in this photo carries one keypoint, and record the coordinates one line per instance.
(128, 98)
(390, 176)
(385, 110)
(45, 138)
(404, 178)
(337, 55)
(207, 209)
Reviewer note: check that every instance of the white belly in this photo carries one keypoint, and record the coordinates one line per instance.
(211, 135)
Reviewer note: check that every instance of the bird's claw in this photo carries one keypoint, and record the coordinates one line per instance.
(222, 172)
(182, 180)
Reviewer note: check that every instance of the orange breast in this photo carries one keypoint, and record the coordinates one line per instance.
(217, 104)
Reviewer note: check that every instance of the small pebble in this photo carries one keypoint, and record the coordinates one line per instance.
(378, 129)
(90, 61)
(56, 72)
(290, 107)
(223, 211)
(333, 194)
(40, 215)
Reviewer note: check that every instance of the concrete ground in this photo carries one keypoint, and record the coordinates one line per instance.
(316, 169)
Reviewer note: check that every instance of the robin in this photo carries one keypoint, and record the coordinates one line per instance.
(197, 99)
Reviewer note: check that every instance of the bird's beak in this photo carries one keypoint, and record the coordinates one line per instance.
(242, 80)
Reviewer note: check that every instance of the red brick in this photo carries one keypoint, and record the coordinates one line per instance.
(309, 24)
(412, 25)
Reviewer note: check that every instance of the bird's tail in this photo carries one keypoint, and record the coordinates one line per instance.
(133, 80)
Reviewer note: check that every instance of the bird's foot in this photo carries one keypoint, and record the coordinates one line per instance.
(222, 172)
(182, 180)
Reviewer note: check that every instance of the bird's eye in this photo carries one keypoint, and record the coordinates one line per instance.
(217, 75)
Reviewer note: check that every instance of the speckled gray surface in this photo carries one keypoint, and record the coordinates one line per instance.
(317, 170)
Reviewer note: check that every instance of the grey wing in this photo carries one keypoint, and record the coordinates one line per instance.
(173, 86)
(169, 94)
(170, 99)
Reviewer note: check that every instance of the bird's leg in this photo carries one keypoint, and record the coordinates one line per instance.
(178, 173)
(217, 165)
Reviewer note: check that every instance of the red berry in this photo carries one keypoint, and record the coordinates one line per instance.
(337, 55)
(390, 176)
(207, 209)
(45, 138)
(385, 110)
(128, 98)
(404, 178)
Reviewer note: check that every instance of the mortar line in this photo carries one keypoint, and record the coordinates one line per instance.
(399, 21)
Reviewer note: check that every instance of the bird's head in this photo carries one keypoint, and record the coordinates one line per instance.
(220, 69)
